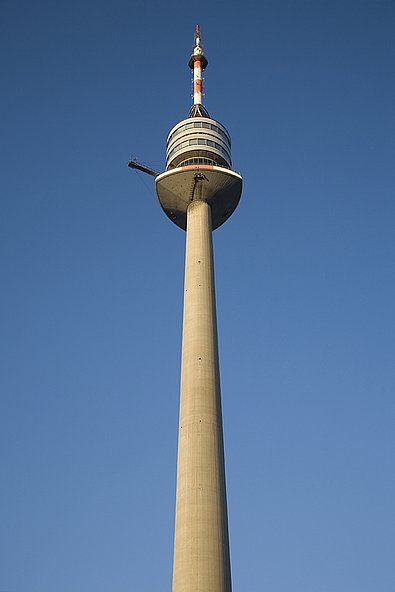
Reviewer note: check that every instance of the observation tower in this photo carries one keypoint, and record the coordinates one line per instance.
(198, 192)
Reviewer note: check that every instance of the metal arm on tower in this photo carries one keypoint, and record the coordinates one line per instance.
(133, 164)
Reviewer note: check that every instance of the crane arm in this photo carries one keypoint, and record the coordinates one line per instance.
(133, 164)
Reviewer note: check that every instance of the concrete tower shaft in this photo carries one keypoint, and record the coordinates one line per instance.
(201, 545)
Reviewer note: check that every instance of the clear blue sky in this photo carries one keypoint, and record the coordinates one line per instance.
(91, 294)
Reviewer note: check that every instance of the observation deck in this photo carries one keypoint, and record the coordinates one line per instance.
(200, 137)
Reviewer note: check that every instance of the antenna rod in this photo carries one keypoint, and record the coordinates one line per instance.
(197, 62)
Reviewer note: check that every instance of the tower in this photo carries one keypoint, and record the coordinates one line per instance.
(198, 192)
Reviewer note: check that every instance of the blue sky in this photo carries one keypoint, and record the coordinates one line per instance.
(91, 297)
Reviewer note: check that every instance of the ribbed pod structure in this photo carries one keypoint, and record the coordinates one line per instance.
(201, 544)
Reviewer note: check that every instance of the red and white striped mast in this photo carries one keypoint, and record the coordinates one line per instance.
(198, 63)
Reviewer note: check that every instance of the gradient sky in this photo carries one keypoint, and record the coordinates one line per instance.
(91, 296)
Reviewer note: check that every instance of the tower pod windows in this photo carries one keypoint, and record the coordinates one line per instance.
(192, 161)
(200, 142)
(206, 124)
(186, 136)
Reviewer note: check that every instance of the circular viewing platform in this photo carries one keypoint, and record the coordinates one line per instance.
(198, 137)
(218, 186)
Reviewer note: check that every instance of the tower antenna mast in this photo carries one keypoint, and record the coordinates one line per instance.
(198, 63)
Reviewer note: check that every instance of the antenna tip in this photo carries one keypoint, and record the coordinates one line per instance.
(197, 35)
(198, 53)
